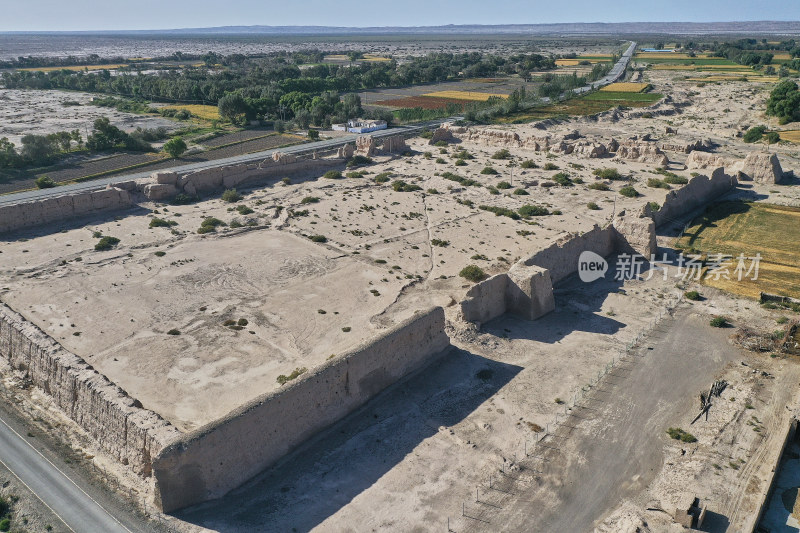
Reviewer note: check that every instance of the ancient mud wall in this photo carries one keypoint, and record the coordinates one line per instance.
(222, 455)
(525, 291)
(33, 213)
(130, 433)
(698, 192)
(561, 257)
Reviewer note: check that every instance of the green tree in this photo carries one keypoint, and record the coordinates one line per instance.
(38, 149)
(784, 101)
(175, 147)
(232, 107)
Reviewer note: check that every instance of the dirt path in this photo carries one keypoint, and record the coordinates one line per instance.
(610, 448)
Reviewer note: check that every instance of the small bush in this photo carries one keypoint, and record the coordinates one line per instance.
(161, 223)
(654, 206)
(472, 273)
(550, 166)
(520, 192)
(528, 164)
(528, 211)
(318, 238)
(629, 191)
(359, 160)
(402, 186)
(681, 435)
(593, 206)
(440, 144)
(160, 253)
(754, 134)
(674, 179)
(439, 242)
(504, 185)
(500, 211)
(488, 171)
(282, 379)
(501, 154)
(718, 322)
(184, 199)
(231, 196)
(608, 174)
(693, 295)
(562, 178)
(599, 186)
(460, 163)
(173, 332)
(309, 200)
(242, 322)
(355, 175)
(211, 222)
(243, 210)
(383, 177)
(432, 191)
(332, 175)
(106, 243)
(5, 524)
(43, 182)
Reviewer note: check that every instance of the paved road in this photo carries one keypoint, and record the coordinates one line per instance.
(329, 144)
(77, 510)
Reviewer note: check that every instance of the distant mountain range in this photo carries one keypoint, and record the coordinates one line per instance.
(592, 28)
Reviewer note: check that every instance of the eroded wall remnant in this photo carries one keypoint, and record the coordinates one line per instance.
(209, 462)
(119, 423)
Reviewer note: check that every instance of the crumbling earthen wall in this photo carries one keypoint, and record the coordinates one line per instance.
(220, 456)
(119, 423)
(699, 191)
(561, 257)
(524, 290)
(29, 214)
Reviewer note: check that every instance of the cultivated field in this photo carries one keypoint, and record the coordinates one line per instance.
(735, 228)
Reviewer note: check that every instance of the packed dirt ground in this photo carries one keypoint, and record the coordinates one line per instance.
(410, 459)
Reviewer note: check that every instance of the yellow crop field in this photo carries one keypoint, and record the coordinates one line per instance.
(781, 55)
(75, 68)
(790, 135)
(336, 57)
(465, 95)
(373, 57)
(735, 228)
(207, 112)
(577, 61)
(625, 87)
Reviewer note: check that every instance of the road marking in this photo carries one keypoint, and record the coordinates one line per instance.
(63, 474)
(37, 496)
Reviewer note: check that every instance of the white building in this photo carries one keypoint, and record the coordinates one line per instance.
(361, 126)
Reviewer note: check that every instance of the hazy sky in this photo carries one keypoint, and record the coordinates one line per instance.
(55, 15)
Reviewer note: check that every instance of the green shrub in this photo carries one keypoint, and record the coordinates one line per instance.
(439, 242)
(504, 185)
(160, 253)
(492, 190)
(593, 206)
(472, 273)
(208, 229)
(719, 322)
(681, 435)
(528, 211)
(5, 524)
(550, 166)
(43, 182)
(674, 179)
(359, 160)
(562, 178)
(161, 223)
(528, 164)
(231, 196)
(772, 137)
(318, 238)
(520, 192)
(282, 379)
(440, 143)
(629, 191)
(184, 199)
(211, 222)
(243, 210)
(432, 191)
(488, 171)
(500, 211)
(309, 200)
(599, 186)
(501, 154)
(608, 174)
(106, 243)
(657, 183)
(692, 295)
(402, 186)
(173, 332)
(440, 161)
(461, 180)
(355, 175)
(460, 163)
(754, 134)
(332, 175)
(383, 177)
(654, 206)
(242, 322)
